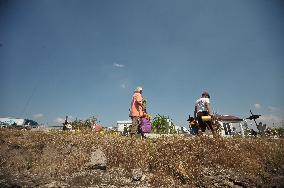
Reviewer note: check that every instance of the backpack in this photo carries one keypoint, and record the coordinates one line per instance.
(145, 125)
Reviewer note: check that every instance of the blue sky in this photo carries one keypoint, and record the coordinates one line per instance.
(85, 58)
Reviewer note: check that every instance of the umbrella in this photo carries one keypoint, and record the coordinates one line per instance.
(229, 118)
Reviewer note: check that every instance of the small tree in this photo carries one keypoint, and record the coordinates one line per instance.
(280, 131)
(162, 125)
(84, 124)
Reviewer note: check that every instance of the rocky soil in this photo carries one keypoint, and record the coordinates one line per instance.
(30, 159)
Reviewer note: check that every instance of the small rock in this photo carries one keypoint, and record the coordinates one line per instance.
(143, 177)
(216, 185)
(112, 186)
(55, 184)
(137, 174)
(50, 185)
(98, 160)
(228, 183)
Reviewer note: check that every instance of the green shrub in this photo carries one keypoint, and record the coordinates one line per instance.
(161, 125)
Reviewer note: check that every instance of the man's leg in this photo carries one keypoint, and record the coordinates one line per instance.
(210, 126)
(134, 126)
(201, 127)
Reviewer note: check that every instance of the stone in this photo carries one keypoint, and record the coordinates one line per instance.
(137, 174)
(56, 184)
(98, 160)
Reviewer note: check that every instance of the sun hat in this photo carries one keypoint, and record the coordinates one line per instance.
(139, 88)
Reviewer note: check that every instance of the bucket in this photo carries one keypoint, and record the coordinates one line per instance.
(206, 118)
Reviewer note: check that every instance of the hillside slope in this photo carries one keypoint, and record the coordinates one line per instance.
(62, 159)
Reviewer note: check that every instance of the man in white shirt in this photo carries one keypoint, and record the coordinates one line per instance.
(203, 108)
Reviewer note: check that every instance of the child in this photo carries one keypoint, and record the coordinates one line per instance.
(193, 125)
(145, 125)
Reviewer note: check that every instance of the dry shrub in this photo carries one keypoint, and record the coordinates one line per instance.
(170, 160)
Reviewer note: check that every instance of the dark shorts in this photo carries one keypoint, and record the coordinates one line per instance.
(135, 125)
(194, 130)
(203, 124)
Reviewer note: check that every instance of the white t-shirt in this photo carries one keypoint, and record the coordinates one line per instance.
(200, 104)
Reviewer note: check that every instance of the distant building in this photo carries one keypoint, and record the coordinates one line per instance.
(181, 130)
(8, 122)
(120, 125)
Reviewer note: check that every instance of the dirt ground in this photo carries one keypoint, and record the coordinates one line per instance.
(58, 159)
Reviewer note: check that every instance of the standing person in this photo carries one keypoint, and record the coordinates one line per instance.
(66, 125)
(136, 110)
(125, 130)
(203, 108)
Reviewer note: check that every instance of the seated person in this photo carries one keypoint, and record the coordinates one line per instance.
(193, 125)
(66, 125)
(203, 108)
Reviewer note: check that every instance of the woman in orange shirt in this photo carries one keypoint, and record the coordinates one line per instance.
(136, 110)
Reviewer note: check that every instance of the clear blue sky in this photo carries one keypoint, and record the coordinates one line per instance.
(85, 58)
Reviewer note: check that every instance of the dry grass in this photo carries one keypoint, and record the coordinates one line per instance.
(168, 161)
